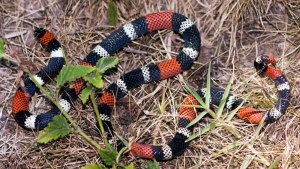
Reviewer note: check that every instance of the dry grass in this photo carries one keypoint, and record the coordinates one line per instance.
(233, 34)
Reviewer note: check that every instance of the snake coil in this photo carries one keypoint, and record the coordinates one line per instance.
(153, 72)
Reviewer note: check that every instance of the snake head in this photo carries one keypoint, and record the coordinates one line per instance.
(262, 62)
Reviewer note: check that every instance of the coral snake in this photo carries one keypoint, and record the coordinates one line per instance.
(153, 72)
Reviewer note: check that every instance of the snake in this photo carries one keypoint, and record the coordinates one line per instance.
(153, 72)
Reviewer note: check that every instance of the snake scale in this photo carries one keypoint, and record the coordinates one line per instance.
(146, 74)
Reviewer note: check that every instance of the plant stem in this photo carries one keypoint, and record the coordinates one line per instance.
(211, 113)
(92, 96)
(69, 118)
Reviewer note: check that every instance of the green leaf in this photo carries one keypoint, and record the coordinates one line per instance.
(120, 153)
(207, 97)
(91, 166)
(206, 129)
(112, 13)
(2, 50)
(229, 147)
(195, 94)
(224, 98)
(108, 155)
(233, 112)
(246, 162)
(70, 73)
(124, 141)
(199, 99)
(58, 128)
(85, 94)
(95, 79)
(275, 163)
(104, 64)
(130, 166)
(198, 118)
(152, 165)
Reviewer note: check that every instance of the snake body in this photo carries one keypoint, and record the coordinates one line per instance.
(265, 65)
(153, 72)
